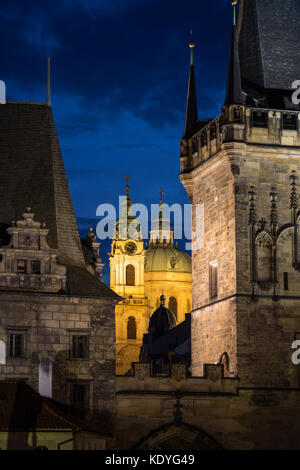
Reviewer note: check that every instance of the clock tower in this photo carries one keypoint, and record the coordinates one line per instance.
(127, 259)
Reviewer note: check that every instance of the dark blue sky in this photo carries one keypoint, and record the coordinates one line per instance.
(119, 83)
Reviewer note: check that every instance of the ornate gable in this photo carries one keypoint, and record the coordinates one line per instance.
(28, 261)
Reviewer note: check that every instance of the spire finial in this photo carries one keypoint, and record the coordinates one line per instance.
(234, 82)
(127, 179)
(234, 3)
(161, 196)
(162, 300)
(191, 115)
(191, 46)
(48, 83)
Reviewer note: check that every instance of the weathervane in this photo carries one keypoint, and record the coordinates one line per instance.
(161, 196)
(127, 178)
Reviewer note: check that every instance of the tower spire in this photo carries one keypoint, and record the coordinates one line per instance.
(48, 99)
(191, 116)
(234, 83)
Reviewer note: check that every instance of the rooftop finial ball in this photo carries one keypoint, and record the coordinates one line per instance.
(192, 44)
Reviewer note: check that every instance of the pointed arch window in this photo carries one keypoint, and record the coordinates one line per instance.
(131, 328)
(130, 275)
(173, 306)
(225, 361)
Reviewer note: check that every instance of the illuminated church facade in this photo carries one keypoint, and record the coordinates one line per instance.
(139, 275)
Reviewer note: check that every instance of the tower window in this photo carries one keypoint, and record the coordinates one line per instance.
(289, 121)
(16, 345)
(286, 281)
(21, 266)
(173, 306)
(213, 280)
(131, 328)
(79, 346)
(36, 267)
(259, 119)
(130, 275)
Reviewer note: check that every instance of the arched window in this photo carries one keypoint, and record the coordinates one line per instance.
(130, 275)
(45, 378)
(225, 361)
(131, 328)
(173, 306)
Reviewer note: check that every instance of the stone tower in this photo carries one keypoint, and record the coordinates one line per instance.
(244, 167)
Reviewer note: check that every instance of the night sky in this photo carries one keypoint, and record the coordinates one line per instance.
(119, 82)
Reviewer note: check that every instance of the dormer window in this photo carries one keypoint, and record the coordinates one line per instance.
(289, 121)
(36, 267)
(259, 119)
(21, 266)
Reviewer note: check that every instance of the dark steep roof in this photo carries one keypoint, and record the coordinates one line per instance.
(234, 83)
(23, 409)
(191, 116)
(82, 283)
(269, 35)
(33, 175)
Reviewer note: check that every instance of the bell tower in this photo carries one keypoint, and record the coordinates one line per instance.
(243, 167)
(126, 260)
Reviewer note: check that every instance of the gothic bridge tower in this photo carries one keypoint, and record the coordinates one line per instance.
(244, 167)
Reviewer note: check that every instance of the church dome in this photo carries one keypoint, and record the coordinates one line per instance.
(162, 320)
(167, 258)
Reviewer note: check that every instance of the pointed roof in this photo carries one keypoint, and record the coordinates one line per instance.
(191, 116)
(269, 32)
(234, 85)
(33, 175)
(127, 221)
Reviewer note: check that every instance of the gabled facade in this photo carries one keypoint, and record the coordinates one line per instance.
(57, 326)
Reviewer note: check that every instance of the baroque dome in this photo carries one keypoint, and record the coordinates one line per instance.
(167, 258)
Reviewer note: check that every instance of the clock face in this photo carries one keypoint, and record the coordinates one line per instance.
(130, 248)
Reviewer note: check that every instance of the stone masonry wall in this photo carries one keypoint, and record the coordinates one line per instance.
(48, 322)
(211, 408)
(214, 324)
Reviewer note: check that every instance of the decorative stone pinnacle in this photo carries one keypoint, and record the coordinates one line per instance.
(273, 213)
(252, 206)
(293, 194)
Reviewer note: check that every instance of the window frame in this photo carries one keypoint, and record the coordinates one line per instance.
(25, 266)
(256, 123)
(86, 384)
(86, 346)
(132, 274)
(175, 303)
(31, 266)
(128, 321)
(11, 334)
